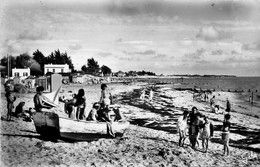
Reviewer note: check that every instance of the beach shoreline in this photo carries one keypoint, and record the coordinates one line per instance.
(151, 139)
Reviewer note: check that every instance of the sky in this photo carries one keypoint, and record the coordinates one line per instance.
(220, 37)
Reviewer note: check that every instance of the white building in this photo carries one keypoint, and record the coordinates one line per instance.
(20, 72)
(56, 68)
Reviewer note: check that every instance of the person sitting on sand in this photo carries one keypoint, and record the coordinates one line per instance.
(182, 127)
(38, 100)
(217, 109)
(194, 125)
(19, 109)
(10, 104)
(225, 133)
(80, 104)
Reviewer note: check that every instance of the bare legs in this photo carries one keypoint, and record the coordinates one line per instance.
(205, 144)
(226, 147)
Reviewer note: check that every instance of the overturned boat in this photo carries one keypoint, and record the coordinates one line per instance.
(53, 125)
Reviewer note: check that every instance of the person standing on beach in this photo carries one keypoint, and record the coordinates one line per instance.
(194, 125)
(213, 103)
(225, 134)
(151, 95)
(38, 100)
(228, 106)
(106, 101)
(10, 104)
(182, 127)
(80, 104)
(106, 96)
(142, 96)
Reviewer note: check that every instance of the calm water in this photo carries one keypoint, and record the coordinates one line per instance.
(224, 83)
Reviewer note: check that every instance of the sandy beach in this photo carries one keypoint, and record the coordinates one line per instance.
(151, 139)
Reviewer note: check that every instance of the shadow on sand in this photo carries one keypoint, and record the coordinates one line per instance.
(168, 112)
(251, 136)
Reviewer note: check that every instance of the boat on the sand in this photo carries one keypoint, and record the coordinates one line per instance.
(54, 125)
(51, 125)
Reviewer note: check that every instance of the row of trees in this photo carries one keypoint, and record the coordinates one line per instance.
(93, 67)
(35, 63)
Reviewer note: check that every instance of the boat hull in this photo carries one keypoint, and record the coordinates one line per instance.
(48, 123)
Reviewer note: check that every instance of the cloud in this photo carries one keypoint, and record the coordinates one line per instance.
(139, 42)
(233, 52)
(194, 56)
(15, 47)
(160, 56)
(76, 46)
(34, 34)
(129, 58)
(146, 52)
(119, 40)
(104, 54)
(217, 52)
(252, 47)
(211, 34)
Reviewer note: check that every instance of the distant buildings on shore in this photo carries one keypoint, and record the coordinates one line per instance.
(56, 68)
(216, 76)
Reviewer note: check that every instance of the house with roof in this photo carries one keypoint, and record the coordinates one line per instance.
(119, 74)
(21, 72)
(56, 68)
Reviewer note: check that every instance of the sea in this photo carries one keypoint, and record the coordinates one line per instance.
(243, 87)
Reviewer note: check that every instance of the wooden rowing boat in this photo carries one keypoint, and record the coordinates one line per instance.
(51, 125)
(54, 125)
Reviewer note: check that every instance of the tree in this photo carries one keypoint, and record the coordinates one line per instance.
(84, 68)
(59, 58)
(106, 70)
(23, 61)
(92, 67)
(40, 59)
(12, 64)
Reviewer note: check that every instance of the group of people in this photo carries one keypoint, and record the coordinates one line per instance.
(196, 125)
(150, 96)
(101, 111)
(215, 108)
(19, 110)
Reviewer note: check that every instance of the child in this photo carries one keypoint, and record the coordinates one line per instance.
(225, 134)
(207, 132)
(10, 104)
(182, 127)
(80, 104)
(151, 95)
(19, 109)
(142, 96)
(93, 113)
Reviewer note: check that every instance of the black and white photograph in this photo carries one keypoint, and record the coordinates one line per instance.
(130, 83)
